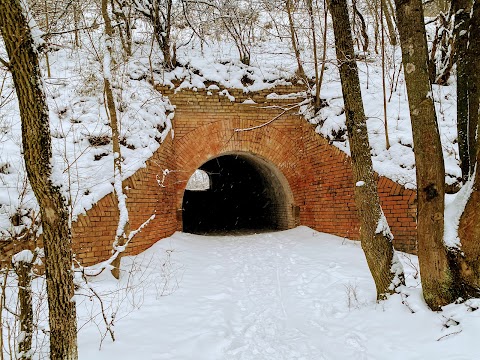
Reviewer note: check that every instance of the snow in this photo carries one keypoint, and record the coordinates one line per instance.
(398, 162)
(122, 203)
(25, 256)
(107, 63)
(382, 226)
(227, 94)
(454, 207)
(37, 33)
(198, 181)
(297, 294)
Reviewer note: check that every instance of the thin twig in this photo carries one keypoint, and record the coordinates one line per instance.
(47, 35)
(285, 110)
(105, 264)
(108, 324)
(4, 63)
(444, 336)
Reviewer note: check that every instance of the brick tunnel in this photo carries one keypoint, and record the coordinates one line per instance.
(281, 175)
(243, 194)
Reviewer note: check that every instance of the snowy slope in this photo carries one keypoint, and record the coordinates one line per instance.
(80, 128)
(81, 135)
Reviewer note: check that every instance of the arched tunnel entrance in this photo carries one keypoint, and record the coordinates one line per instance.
(245, 194)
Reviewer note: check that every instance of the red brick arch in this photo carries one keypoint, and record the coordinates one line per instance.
(268, 144)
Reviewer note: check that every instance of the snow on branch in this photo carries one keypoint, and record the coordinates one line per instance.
(99, 268)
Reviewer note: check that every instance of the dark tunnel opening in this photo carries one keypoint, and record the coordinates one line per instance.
(245, 195)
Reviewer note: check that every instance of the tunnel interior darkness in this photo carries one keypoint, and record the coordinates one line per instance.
(246, 194)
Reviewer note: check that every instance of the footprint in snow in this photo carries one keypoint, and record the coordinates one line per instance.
(355, 342)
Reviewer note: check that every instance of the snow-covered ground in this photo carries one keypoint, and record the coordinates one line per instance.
(296, 294)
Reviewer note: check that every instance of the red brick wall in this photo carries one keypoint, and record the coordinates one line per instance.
(316, 176)
(93, 233)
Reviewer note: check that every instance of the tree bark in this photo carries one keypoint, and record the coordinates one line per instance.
(37, 152)
(473, 68)
(461, 9)
(293, 37)
(162, 24)
(317, 102)
(123, 222)
(376, 239)
(469, 227)
(324, 44)
(23, 269)
(439, 266)
(390, 25)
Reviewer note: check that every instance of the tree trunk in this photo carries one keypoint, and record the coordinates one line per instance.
(363, 27)
(162, 26)
(374, 234)
(461, 9)
(122, 12)
(324, 44)
(317, 102)
(473, 68)
(372, 9)
(469, 227)
(37, 153)
(293, 38)
(23, 269)
(168, 56)
(437, 265)
(390, 25)
(122, 229)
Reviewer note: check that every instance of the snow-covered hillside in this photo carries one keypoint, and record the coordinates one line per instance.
(80, 130)
(81, 134)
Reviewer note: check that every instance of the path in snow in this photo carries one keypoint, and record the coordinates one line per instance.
(294, 295)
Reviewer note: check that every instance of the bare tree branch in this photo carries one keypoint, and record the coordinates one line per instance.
(4, 63)
(285, 110)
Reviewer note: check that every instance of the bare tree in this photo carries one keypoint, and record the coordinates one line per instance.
(375, 234)
(359, 22)
(433, 258)
(123, 13)
(317, 102)
(473, 68)
(239, 19)
(461, 10)
(469, 226)
(160, 15)
(442, 269)
(388, 16)
(121, 235)
(294, 40)
(23, 63)
(22, 264)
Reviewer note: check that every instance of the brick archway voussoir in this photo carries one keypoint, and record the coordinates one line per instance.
(219, 138)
